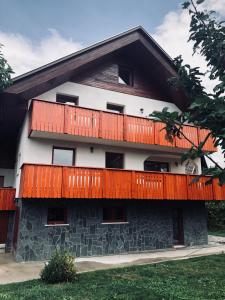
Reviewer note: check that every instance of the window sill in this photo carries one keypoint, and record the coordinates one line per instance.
(55, 225)
(114, 223)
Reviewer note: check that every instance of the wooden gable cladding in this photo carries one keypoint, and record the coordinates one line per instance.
(135, 44)
(43, 79)
(104, 74)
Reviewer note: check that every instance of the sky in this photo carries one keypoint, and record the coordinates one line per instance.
(37, 32)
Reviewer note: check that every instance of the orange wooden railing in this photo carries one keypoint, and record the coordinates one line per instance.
(48, 181)
(61, 118)
(7, 196)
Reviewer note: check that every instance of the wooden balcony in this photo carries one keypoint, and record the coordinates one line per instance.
(48, 181)
(7, 196)
(59, 118)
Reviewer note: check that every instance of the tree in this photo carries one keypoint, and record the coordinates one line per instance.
(206, 110)
(5, 72)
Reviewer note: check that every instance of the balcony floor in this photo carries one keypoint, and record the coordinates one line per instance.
(98, 141)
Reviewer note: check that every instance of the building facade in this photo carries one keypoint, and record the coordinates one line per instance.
(84, 168)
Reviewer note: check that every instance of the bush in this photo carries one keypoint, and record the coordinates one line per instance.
(60, 268)
(216, 215)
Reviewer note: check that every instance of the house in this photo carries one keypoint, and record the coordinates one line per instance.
(82, 166)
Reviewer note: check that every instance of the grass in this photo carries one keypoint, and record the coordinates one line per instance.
(217, 233)
(197, 278)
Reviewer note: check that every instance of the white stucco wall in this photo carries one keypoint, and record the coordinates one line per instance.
(97, 98)
(8, 177)
(37, 150)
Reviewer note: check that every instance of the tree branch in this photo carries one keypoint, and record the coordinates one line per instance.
(208, 135)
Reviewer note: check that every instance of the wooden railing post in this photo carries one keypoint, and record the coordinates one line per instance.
(104, 174)
(125, 124)
(100, 123)
(133, 185)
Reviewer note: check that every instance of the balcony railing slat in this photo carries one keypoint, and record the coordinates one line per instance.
(47, 117)
(82, 122)
(191, 133)
(209, 145)
(139, 130)
(111, 126)
(160, 135)
(82, 183)
(7, 196)
(175, 187)
(199, 190)
(117, 184)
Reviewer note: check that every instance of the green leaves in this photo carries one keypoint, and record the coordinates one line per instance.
(206, 110)
(5, 72)
(200, 1)
(186, 4)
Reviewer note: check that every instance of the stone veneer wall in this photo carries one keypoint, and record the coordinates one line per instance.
(149, 227)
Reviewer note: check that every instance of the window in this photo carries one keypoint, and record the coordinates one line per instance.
(114, 160)
(125, 76)
(156, 166)
(57, 215)
(114, 214)
(1, 181)
(63, 156)
(67, 99)
(115, 108)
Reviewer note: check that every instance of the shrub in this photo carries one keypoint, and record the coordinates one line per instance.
(60, 268)
(216, 215)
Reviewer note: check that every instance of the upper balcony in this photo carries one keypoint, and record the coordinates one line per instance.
(56, 120)
(49, 181)
(7, 196)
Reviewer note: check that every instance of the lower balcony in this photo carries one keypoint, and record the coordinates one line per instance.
(7, 196)
(49, 181)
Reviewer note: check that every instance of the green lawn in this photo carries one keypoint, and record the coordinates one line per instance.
(197, 278)
(217, 233)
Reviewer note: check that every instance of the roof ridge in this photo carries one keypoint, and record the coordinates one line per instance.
(81, 51)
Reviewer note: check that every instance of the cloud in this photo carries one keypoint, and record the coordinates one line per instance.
(24, 55)
(172, 35)
(216, 5)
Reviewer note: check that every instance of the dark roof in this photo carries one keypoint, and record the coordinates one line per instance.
(136, 42)
(82, 51)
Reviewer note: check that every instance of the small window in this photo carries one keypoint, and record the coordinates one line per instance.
(114, 160)
(60, 98)
(63, 156)
(156, 166)
(1, 181)
(114, 214)
(115, 108)
(125, 76)
(57, 215)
